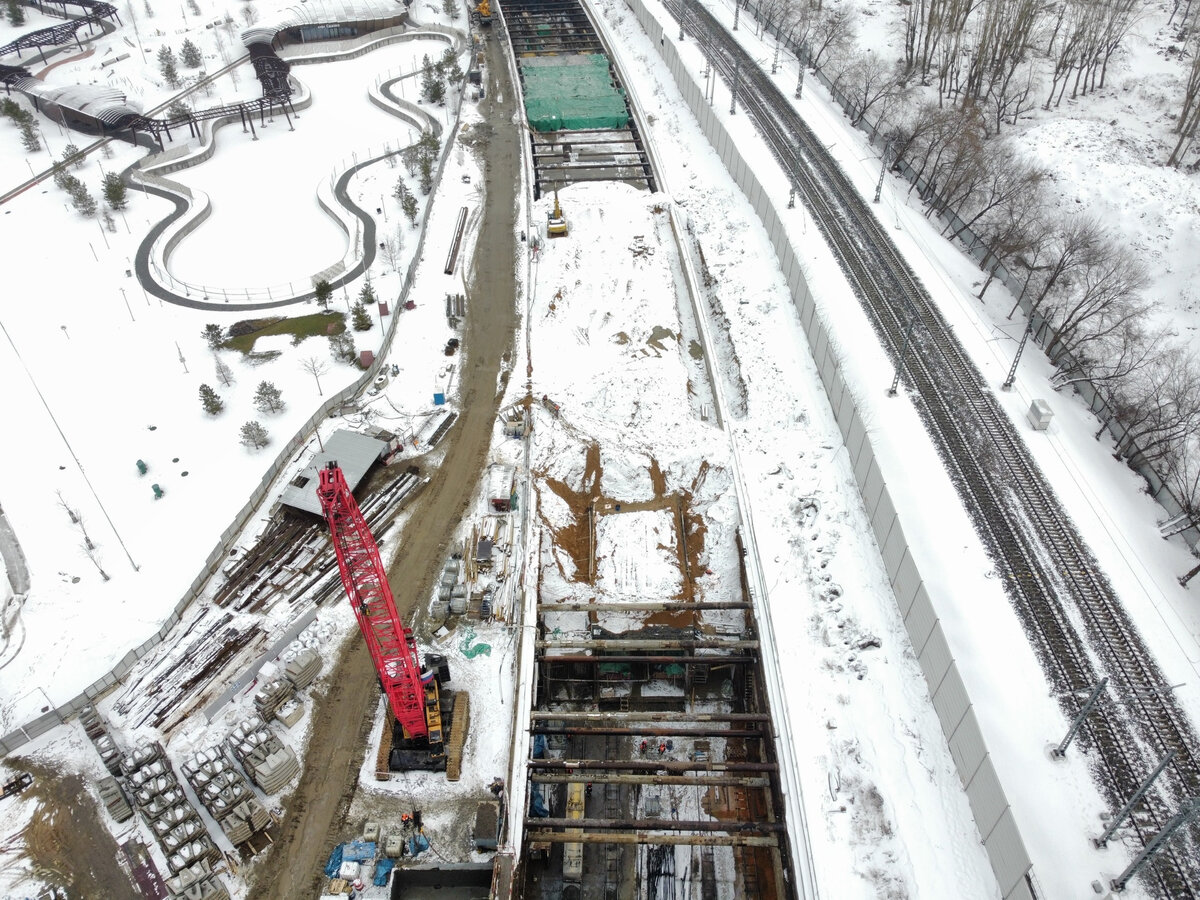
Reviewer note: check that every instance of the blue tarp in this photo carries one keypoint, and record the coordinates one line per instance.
(335, 862)
(537, 804)
(358, 851)
(539, 746)
(417, 844)
(383, 868)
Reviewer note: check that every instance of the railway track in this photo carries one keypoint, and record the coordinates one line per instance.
(1067, 607)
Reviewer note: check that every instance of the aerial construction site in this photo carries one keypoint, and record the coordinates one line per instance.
(590, 569)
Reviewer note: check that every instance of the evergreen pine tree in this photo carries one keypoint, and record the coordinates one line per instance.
(361, 318)
(82, 200)
(29, 135)
(213, 335)
(209, 399)
(114, 190)
(14, 13)
(72, 157)
(166, 65)
(341, 345)
(254, 435)
(410, 208)
(189, 54)
(268, 397)
(324, 291)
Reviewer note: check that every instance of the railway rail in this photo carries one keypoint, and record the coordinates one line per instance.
(1073, 617)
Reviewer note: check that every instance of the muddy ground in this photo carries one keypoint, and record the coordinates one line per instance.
(316, 816)
(66, 840)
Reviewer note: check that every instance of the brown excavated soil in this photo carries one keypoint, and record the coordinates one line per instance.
(66, 841)
(317, 809)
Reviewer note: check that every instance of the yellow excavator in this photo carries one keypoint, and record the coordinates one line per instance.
(556, 222)
(485, 12)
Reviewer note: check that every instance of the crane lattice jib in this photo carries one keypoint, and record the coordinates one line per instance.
(392, 646)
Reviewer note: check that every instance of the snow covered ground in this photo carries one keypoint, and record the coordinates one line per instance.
(886, 813)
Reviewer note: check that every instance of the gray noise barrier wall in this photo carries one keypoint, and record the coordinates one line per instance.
(993, 814)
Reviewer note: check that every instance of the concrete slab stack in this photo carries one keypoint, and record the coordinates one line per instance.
(268, 762)
(304, 669)
(226, 794)
(273, 695)
(165, 807)
(114, 800)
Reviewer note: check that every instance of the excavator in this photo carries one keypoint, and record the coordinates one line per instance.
(413, 693)
(556, 222)
(484, 9)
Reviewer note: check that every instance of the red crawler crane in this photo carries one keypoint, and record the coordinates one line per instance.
(413, 697)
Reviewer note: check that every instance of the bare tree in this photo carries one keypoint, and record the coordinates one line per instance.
(1158, 409)
(1189, 113)
(224, 373)
(1104, 300)
(1072, 244)
(1010, 180)
(869, 82)
(1113, 358)
(392, 245)
(316, 368)
(73, 514)
(90, 550)
(1012, 230)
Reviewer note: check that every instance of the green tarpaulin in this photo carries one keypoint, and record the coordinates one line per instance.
(569, 93)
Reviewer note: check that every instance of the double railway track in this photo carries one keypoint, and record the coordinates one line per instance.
(1073, 617)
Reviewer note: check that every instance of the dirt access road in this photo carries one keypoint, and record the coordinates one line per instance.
(316, 811)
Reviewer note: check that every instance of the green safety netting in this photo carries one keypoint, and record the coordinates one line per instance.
(572, 93)
(614, 668)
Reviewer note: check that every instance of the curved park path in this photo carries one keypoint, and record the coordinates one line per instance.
(316, 812)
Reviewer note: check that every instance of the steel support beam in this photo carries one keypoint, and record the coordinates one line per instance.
(662, 606)
(686, 780)
(647, 765)
(712, 660)
(651, 731)
(640, 644)
(646, 837)
(540, 715)
(730, 827)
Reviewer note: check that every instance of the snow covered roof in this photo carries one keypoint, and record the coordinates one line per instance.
(106, 104)
(316, 13)
(355, 453)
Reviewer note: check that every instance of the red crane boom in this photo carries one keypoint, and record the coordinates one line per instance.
(393, 648)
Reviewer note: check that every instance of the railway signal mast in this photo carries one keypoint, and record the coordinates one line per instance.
(413, 695)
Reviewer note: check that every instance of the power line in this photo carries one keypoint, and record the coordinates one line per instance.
(70, 449)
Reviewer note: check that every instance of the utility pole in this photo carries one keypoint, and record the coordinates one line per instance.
(1012, 370)
(1115, 822)
(1061, 750)
(733, 95)
(181, 359)
(912, 321)
(1190, 809)
(883, 166)
(737, 8)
